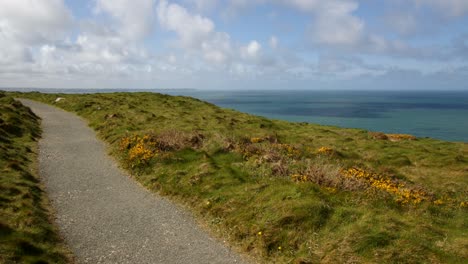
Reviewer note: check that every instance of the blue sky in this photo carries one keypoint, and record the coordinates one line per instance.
(235, 44)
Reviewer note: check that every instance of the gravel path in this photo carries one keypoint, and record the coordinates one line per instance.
(104, 215)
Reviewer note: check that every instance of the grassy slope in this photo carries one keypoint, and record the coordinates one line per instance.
(26, 235)
(244, 191)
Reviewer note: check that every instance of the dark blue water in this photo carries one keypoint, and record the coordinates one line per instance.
(441, 115)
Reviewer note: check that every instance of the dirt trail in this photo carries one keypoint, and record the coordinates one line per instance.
(104, 215)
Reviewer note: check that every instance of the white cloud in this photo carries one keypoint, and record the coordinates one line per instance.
(196, 33)
(217, 48)
(192, 29)
(98, 49)
(234, 7)
(204, 5)
(25, 24)
(33, 22)
(334, 24)
(113, 48)
(42, 43)
(135, 17)
(304, 5)
(251, 50)
(35, 40)
(273, 42)
(453, 8)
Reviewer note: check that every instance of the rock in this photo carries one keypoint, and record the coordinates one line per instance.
(110, 116)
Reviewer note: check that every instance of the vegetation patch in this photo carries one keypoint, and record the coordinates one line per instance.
(26, 234)
(290, 192)
(391, 137)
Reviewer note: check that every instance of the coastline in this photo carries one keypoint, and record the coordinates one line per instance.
(433, 114)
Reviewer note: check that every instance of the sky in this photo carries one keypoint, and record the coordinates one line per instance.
(235, 44)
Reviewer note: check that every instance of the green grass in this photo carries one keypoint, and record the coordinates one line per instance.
(26, 234)
(203, 156)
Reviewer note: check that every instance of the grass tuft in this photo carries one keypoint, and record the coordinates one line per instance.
(26, 233)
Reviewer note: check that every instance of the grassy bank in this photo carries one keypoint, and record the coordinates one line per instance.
(290, 192)
(26, 234)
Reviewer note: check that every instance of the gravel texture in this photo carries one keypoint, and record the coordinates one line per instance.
(106, 217)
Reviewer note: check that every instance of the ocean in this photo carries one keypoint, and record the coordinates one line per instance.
(440, 115)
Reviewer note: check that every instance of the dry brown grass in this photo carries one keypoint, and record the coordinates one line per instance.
(398, 137)
(173, 139)
(377, 135)
(391, 137)
(327, 174)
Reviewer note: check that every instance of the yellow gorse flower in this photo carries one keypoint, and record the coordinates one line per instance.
(325, 150)
(141, 149)
(290, 150)
(256, 140)
(404, 194)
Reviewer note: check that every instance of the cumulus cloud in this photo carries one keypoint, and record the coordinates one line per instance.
(192, 29)
(100, 44)
(217, 48)
(39, 42)
(197, 37)
(116, 41)
(335, 25)
(454, 8)
(102, 49)
(304, 5)
(196, 33)
(33, 22)
(123, 41)
(25, 24)
(251, 50)
(332, 21)
(204, 5)
(135, 17)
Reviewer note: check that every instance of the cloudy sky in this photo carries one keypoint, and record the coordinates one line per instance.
(235, 44)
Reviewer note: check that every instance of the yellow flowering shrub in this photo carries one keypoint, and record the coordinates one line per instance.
(256, 140)
(398, 137)
(248, 151)
(297, 177)
(140, 152)
(288, 149)
(403, 193)
(325, 151)
(125, 142)
(139, 149)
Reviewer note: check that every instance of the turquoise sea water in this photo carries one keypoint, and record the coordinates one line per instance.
(441, 115)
